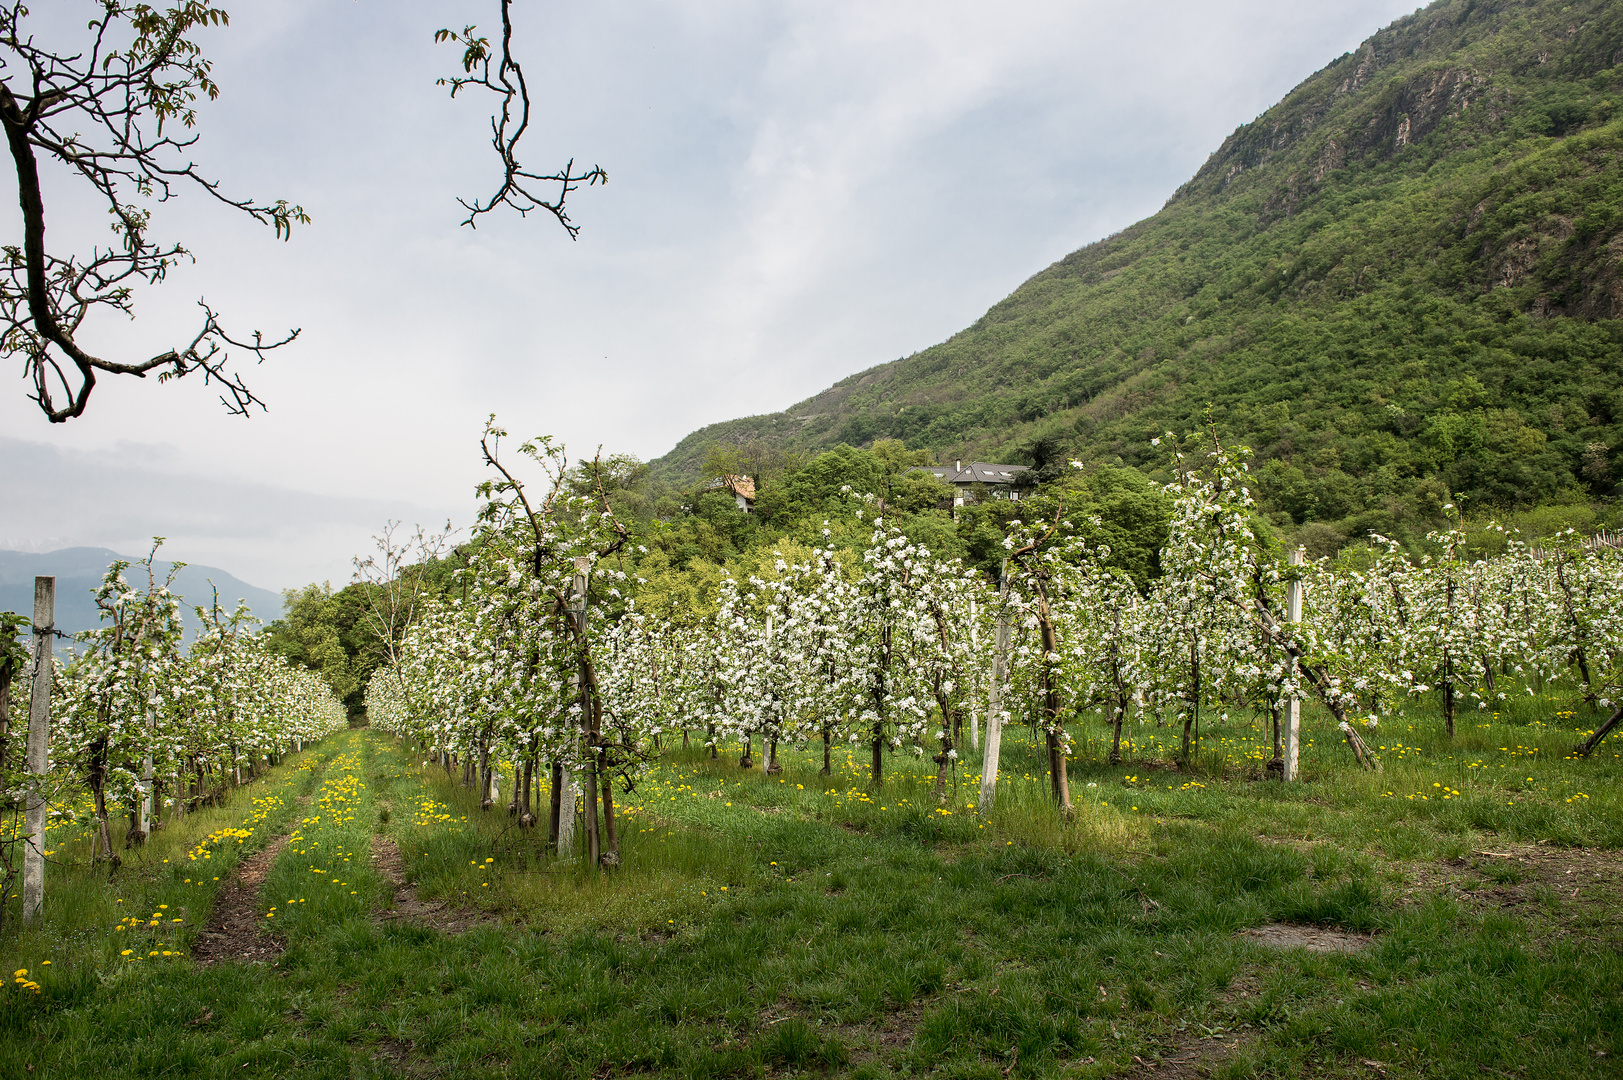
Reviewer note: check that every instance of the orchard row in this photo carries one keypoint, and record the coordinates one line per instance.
(143, 721)
(542, 656)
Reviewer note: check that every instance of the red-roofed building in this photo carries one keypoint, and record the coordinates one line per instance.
(741, 487)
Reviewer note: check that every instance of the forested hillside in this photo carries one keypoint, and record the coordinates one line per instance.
(1400, 286)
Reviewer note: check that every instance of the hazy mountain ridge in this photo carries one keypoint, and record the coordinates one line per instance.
(79, 572)
(1423, 237)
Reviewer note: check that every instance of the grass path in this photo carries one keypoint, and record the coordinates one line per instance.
(792, 926)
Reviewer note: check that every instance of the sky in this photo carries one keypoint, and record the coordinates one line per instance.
(797, 191)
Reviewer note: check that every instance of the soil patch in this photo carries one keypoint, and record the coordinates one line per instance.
(882, 1036)
(397, 1055)
(868, 1040)
(407, 906)
(236, 930)
(1312, 938)
(1575, 889)
(1187, 1056)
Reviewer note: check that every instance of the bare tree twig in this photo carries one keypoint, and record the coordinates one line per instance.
(109, 112)
(519, 187)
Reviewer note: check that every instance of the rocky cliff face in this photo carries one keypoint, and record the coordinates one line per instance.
(1410, 80)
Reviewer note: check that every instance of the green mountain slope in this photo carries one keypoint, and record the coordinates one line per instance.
(1399, 284)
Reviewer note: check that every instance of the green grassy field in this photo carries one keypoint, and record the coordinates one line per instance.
(805, 925)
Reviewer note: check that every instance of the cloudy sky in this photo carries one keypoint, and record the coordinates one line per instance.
(798, 190)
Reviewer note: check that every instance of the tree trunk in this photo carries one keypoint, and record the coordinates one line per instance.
(594, 837)
(1277, 765)
(772, 766)
(1058, 774)
(1121, 699)
(102, 847)
(609, 855)
(1583, 669)
(950, 725)
(877, 769)
(827, 767)
(1360, 751)
(1585, 748)
(877, 773)
(554, 819)
(6, 668)
(485, 801)
(526, 816)
(1448, 695)
(1191, 716)
(1115, 731)
(746, 760)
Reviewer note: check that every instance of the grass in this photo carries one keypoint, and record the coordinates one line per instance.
(801, 925)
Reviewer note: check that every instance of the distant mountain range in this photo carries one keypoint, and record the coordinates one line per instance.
(1402, 285)
(78, 572)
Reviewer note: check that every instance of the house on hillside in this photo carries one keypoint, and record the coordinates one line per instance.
(742, 489)
(997, 479)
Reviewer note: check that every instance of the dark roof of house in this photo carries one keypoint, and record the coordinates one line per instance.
(978, 472)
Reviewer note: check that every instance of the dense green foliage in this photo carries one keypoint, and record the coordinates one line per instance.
(686, 538)
(1400, 286)
(327, 633)
(337, 634)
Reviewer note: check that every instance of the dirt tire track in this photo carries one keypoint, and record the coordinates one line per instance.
(408, 908)
(236, 928)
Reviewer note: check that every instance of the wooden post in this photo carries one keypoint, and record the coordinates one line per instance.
(562, 820)
(994, 696)
(39, 747)
(594, 840)
(1293, 708)
(975, 651)
(772, 767)
(144, 811)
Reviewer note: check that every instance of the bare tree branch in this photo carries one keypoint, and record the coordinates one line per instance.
(396, 582)
(519, 187)
(109, 112)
